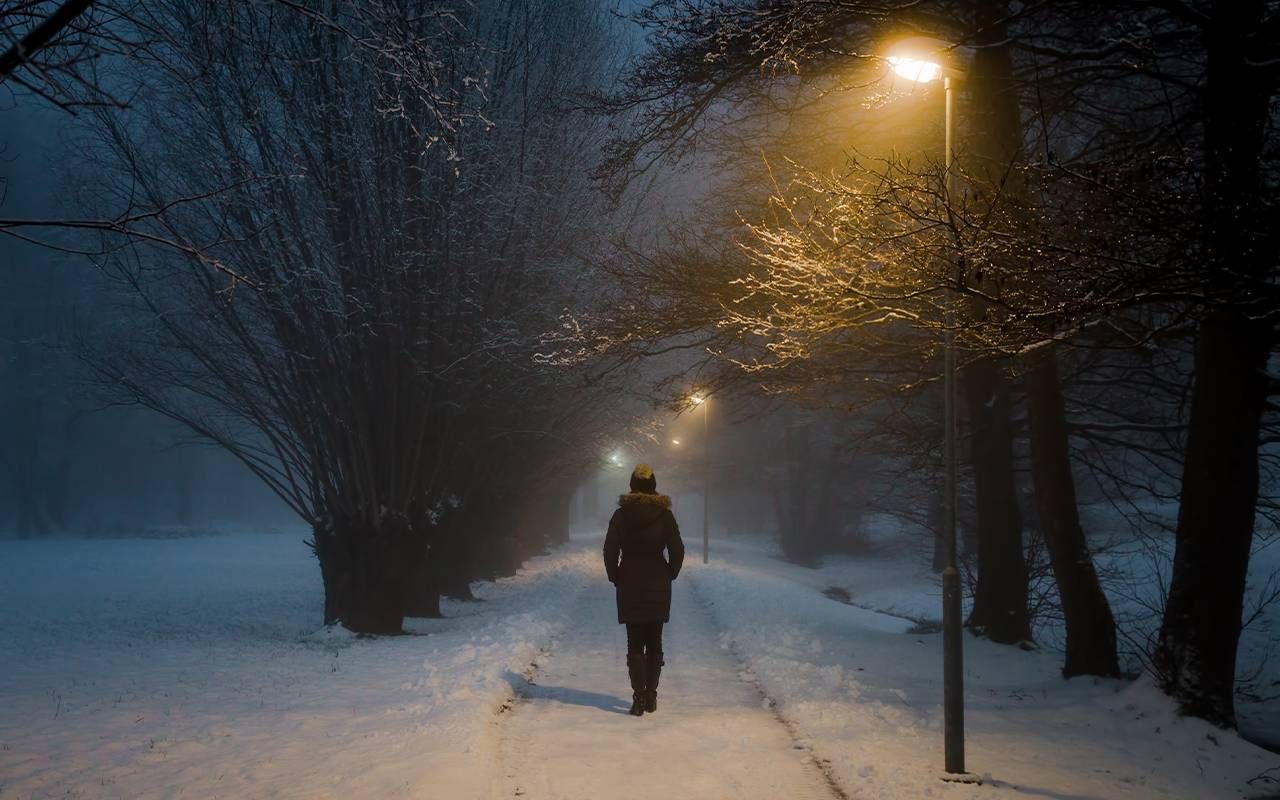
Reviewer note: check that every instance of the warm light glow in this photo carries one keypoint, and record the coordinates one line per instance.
(676, 442)
(697, 399)
(914, 69)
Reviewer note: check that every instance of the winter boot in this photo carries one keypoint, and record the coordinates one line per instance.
(653, 668)
(636, 669)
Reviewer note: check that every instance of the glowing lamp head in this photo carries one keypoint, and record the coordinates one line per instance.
(697, 399)
(675, 442)
(914, 69)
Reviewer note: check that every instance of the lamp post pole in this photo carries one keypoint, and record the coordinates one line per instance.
(706, 482)
(952, 645)
(910, 64)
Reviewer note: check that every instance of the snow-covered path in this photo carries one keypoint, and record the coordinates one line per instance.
(192, 668)
(569, 734)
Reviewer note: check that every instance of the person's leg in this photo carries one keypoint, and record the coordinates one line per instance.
(653, 664)
(637, 636)
(653, 640)
(636, 665)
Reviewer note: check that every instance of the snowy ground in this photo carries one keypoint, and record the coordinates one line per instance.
(1135, 572)
(192, 668)
(570, 735)
(865, 694)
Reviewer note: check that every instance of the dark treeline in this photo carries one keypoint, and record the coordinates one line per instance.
(1101, 241)
(333, 234)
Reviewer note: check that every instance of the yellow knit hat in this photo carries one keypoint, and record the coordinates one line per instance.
(643, 480)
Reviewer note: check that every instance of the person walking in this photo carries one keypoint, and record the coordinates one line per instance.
(639, 531)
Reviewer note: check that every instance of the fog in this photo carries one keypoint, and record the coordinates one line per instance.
(364, 365)
(74, 464)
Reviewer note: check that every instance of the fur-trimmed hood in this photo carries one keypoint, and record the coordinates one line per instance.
(644, 499)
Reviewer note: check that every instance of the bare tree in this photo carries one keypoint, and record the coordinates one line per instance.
(401, 248)
(52, 49)
(710, 66)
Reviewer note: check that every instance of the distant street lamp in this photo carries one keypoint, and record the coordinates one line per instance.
(704, 401)
(923, 60)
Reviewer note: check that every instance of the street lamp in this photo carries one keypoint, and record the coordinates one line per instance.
(923, 60)
(704, 401)
(915, 70)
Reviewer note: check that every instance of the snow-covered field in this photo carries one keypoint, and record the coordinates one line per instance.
(194, 668)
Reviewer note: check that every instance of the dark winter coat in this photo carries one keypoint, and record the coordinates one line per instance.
(641, 528)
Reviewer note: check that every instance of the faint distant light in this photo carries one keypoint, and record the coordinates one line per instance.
(913, 69)
(676, 442)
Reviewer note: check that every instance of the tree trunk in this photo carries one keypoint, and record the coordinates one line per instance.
(381, 561)
(424, 585)
(1200, 633)
(1000, 599)
(456, 587)
(455, 566)
(1196, 649)
(1091, 629)
(423, 580)
(366, 569)
(591, 498)
(324, 544)
(561, 516)
(796, 534)
(504, 544)
(826, 529)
